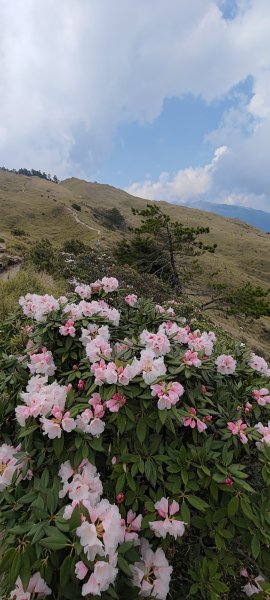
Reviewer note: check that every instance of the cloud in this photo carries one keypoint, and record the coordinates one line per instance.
(72, 72)
(184, 185)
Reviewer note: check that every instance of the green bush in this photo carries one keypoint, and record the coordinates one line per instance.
(117, 398)
(76, 206)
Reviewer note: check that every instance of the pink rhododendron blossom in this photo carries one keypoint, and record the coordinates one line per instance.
(73, 311)
(103, 532)
(38, 307)
(82, 485)
(42, 363)
(68, 328)
(96, 286)
(168, 393)
(201, 341)
(83, 290)
(81, 570)
(226, 364)
(158, 342)
(253, 586)
(116, 402)
(191, 422)
(153, 573)
(248, 408)
(264, 431)
(238, 428)
(93, 331)
(103, 576)
(191, 358)
(261, 396)
(259, 364)
(97, 347)
(58, 422)
(170, 525)
(40, 399)
(37, 588)
(131, 300)
(120, 498)
(8, 465)
(151, 367)
(131, 526)
(89, 423)
(109, 284)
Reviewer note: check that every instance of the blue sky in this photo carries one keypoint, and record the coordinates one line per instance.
(169, 100)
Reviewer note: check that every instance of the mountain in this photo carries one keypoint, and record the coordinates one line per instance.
(256, 218)
(32, 208)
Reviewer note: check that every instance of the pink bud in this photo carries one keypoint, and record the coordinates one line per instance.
(120, 498)
(81, 385)
(75, 367)
(203, 389)
(208, 417)
(244, 573)
(113, 460)
(228, 481)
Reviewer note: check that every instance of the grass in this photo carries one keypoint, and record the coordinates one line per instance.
(39, 208)
(26, 280)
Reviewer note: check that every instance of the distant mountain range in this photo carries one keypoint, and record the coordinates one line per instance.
(256, 218)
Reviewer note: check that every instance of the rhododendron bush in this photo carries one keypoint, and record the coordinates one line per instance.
(134, 455)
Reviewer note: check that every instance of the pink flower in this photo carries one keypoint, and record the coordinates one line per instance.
(68, 328)
(152, 574)
(168, 393)
(248, 407)
(170, 525)
(261, 396)
(97, 347)
(83, 290)
(132, 526)
(265, 433)
(102, 534)
(38, 307)
(157, 342)
(151, 367)
(103, 576)
(116, 402)
(131, 300)
(109, 284)
(191, 358)
(226, 364)
(253, 586)
(237, 429)
(53, 427)
(36, 587)
(82, 485)
(96, 286)
(42, 363)
(259, 364)
(191, 422)
(81, 570)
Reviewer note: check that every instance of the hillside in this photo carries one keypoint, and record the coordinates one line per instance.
(38, 208)
(256, 218)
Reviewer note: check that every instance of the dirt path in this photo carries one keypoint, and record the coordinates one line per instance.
(78, 220)
(10, 272)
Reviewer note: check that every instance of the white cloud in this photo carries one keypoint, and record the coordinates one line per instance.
(72, 72)
(185, 185)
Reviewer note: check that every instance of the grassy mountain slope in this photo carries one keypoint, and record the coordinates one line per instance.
(43, 209)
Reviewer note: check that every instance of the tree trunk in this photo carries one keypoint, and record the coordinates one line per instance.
(175, 280)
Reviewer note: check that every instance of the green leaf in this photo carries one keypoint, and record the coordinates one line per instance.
(58, 445)
(255, 546)
(66, 570)
(141, 430)
(233, 506)
(120, 483)
(197, 503)
(123, 565)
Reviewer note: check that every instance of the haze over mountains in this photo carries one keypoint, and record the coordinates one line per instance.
(257, 218)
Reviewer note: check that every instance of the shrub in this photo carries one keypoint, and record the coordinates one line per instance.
(18, 232)
(75, 246)
(135, 464)
(76, 206)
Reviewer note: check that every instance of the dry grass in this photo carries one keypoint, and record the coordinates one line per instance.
(243, 252)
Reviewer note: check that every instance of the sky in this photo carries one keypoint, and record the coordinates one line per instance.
(166, 99)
